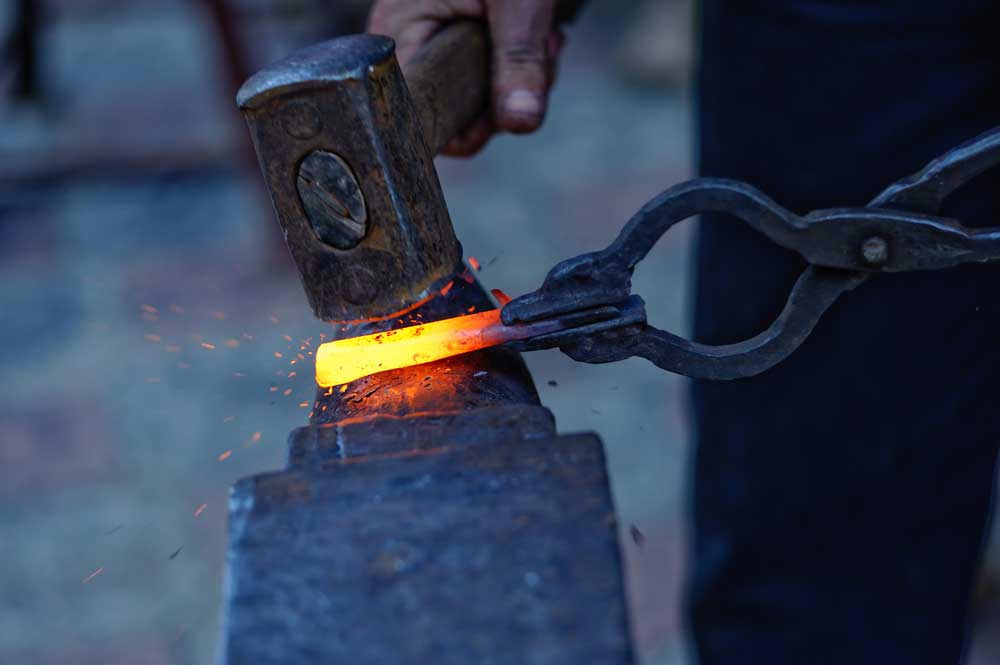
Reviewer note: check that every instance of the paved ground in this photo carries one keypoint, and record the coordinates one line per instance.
(141, 315)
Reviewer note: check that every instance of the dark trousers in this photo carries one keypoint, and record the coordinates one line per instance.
(842, 499)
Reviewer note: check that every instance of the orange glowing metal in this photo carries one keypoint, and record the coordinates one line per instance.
(345, 360)
(342, 361)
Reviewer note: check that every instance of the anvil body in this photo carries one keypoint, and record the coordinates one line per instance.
(479, 537)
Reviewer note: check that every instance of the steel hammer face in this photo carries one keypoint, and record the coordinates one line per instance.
(351, 178)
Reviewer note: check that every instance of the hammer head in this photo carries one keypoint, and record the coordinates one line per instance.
(351, 178)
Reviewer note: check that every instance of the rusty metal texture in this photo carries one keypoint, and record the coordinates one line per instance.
(346, 98)
(457, 549)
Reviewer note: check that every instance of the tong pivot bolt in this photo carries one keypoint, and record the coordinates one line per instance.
(875, 250)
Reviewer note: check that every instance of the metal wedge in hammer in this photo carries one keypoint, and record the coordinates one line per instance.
(430, 513)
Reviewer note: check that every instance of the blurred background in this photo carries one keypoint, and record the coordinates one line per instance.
(145, 291)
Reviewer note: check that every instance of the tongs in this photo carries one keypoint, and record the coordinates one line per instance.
(587, 299)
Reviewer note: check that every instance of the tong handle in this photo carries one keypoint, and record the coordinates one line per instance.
(897, 231)
(814, 292)
(604, 277)
(926, 190)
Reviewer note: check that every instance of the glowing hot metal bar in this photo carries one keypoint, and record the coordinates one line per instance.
(345, 360)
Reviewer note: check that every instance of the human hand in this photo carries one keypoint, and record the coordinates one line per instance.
(526, 46)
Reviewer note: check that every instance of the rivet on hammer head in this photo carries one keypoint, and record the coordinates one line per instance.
(332, 199)
(358, 285)
(875, 250)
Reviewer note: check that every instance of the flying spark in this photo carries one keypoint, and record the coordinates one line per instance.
(93, 575)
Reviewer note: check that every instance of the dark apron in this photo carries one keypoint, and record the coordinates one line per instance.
(841, 500)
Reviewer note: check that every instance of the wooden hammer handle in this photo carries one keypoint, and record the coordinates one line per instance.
(449, 79)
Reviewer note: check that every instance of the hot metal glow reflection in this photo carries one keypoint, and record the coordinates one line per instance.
(342, 361)
(345, 360)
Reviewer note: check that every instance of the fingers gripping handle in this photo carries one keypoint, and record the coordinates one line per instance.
(449, 82)
(449, 78)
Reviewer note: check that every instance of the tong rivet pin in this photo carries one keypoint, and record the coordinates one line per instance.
(875, 250)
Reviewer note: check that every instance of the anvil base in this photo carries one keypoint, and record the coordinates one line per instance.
(491, 548)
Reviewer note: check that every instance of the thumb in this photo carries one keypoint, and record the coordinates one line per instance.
(520, 31)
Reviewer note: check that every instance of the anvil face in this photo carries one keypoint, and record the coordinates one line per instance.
(501, 550)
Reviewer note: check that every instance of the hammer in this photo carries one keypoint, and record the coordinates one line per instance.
(346, 145)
